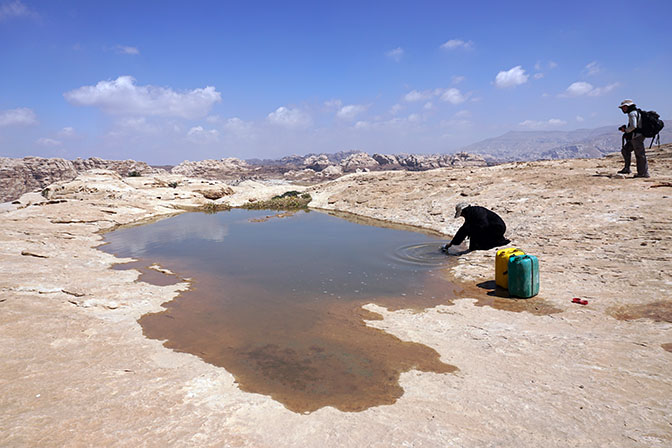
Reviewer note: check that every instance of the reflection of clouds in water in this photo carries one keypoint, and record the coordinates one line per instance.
(176, 229)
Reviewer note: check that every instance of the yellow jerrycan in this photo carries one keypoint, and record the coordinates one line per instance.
(502, 265)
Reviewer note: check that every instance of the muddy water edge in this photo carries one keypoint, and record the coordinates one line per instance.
(277, 300)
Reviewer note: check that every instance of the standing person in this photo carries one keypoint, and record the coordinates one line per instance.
(484, 228)
(634, 140)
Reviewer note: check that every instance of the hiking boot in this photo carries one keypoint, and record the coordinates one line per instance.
(624, 171)
(641, 175)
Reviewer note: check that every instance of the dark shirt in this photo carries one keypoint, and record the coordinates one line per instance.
(484, 228)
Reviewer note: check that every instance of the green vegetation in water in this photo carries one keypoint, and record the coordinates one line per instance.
(290, 200)
(213, 207)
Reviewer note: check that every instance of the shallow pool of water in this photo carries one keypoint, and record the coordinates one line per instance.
(277, 300)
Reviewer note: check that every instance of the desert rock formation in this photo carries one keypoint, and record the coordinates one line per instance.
(77, 370)
(18, 176)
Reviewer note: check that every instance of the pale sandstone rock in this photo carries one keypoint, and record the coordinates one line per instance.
(317, 163)
(85, 376)
(360, 161)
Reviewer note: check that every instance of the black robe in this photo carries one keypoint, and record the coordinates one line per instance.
(484, 228)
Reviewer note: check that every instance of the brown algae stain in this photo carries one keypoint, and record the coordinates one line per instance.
(660, 311)
(306, 355)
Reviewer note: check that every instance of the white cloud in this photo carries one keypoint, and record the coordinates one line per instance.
(579, 118)
(202, 136)
(396, 109)
(458, 79)
(463, 114)
(47, 142)
(136, 124)
(123, 49)
(453, 96)
(123, 96)
(552, 64)
(538, 75)
(13, 9)
(415, 95)
(513, 77)
(580, 88)
(457, 43)
(291, 118)
(428, 106)
(553, 122)
(350, 111)
(67, 132)
(593, 68)
(333, 103)
(17, 117)
(238, 126)
(395, 54)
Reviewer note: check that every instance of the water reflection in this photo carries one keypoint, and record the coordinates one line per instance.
(278, 302)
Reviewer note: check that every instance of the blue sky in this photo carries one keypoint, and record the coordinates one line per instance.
(167, 81)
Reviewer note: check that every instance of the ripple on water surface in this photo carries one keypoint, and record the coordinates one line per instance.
(277, 302)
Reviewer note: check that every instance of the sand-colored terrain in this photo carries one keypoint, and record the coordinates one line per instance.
(76, 369)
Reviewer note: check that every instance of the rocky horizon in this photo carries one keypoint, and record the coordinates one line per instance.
(19, 176)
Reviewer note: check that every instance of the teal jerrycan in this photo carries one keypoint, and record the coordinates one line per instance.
(523, 276)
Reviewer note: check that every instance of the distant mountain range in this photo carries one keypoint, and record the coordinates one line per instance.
(536, 145)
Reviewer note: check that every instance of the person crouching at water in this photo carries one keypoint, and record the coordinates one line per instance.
(484, 228)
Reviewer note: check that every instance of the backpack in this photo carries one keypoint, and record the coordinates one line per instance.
(650, 124)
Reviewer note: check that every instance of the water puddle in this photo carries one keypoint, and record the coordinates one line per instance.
(277, 302)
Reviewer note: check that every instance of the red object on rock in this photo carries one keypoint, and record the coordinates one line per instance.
(579, 301)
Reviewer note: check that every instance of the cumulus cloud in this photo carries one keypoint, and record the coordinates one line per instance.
(457, 43)
(453, 96)
(395, 54)
(350, 111)
(510, 78)
(123, 49)
(10, 10)
(123, 97)
(415, 95)
(202, 136)
(579, 118)
(21, 116)
(290, 118)
(47, 142)
(553, 122)
(581, 88)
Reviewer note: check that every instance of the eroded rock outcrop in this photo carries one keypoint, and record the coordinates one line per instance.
(122, 167)
(19, 176)
(213, 169)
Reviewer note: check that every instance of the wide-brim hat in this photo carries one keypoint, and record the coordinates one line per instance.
(627, 103)
(459, 207)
